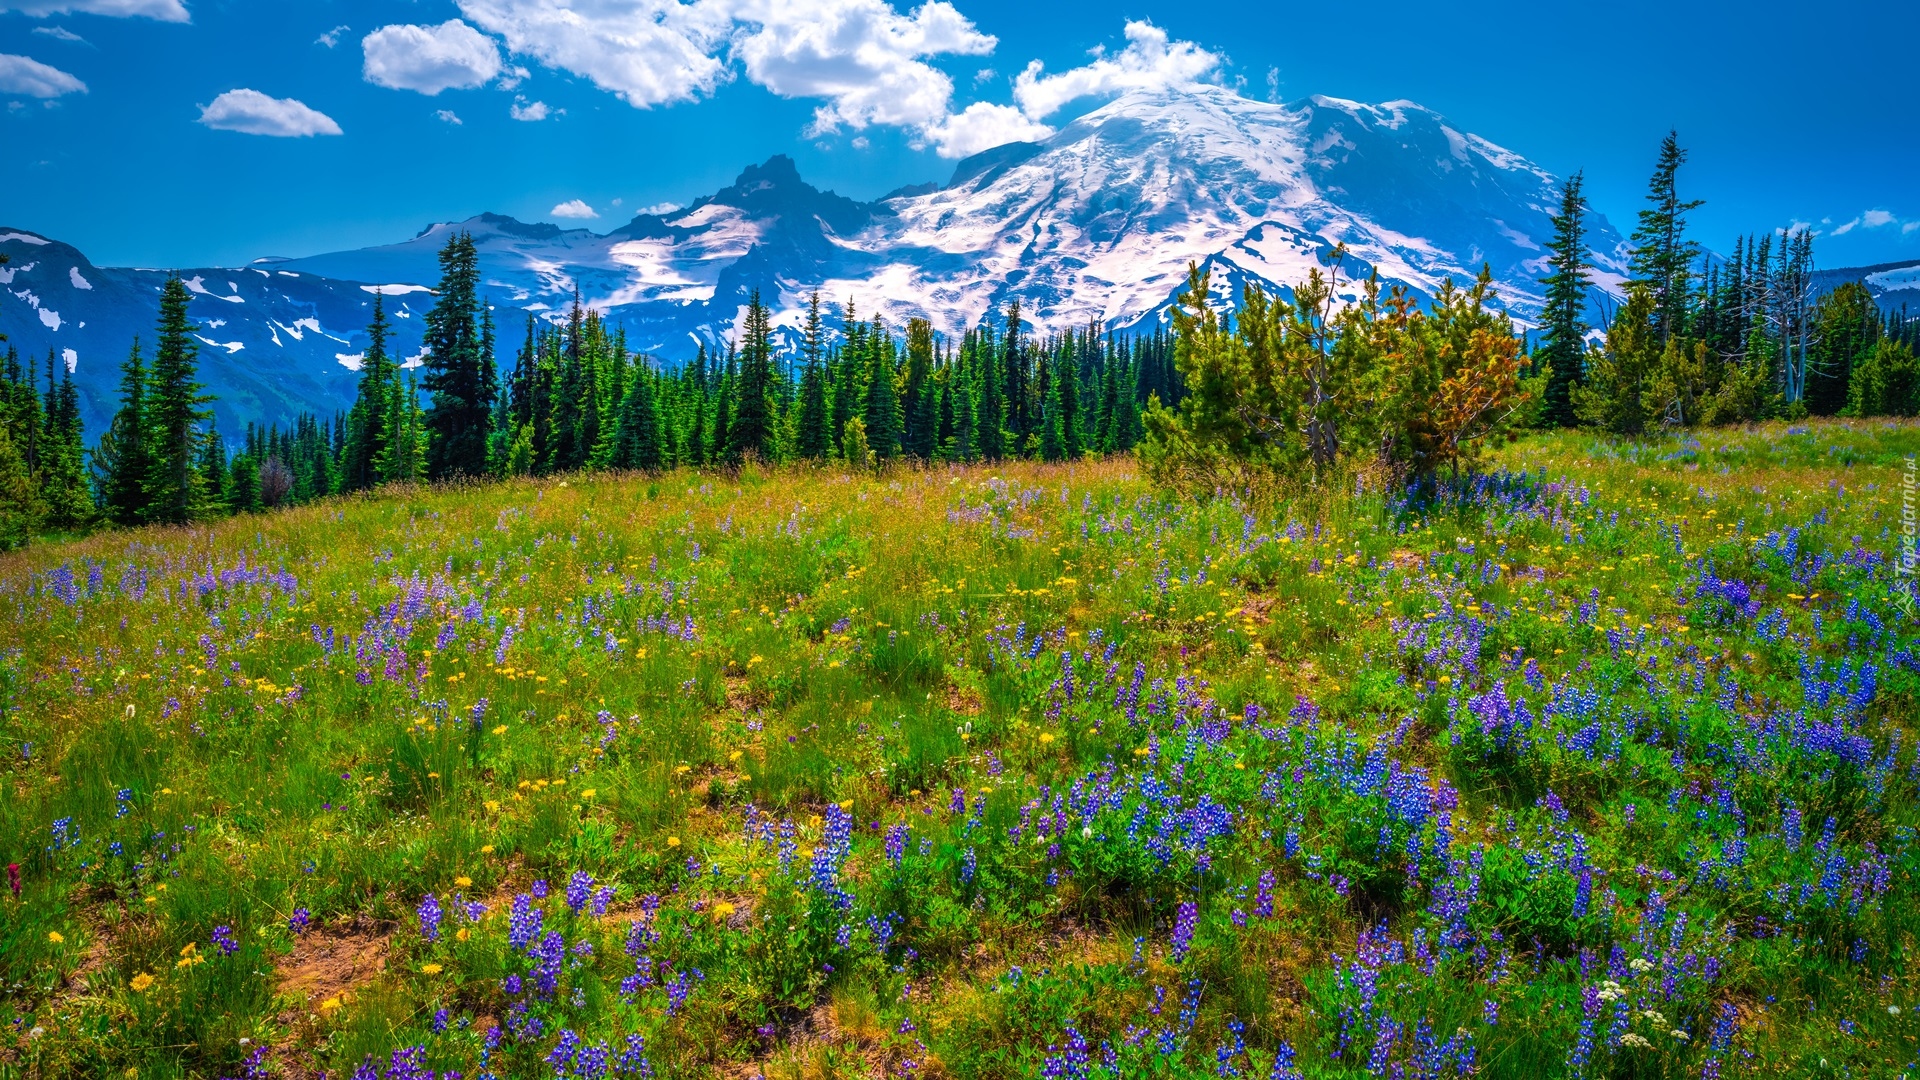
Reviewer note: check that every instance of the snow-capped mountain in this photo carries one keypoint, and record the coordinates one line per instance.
(273, 343)
(1097, 223)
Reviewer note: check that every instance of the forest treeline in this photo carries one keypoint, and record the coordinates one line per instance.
(1297, 386)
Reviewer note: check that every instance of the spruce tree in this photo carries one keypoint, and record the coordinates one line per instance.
(172, 415)
(1564, 343)
(882, 414)
(1663, 257)
(751, 431)
(371, 423)
(459, 373)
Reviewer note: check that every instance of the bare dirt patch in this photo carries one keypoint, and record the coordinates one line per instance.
(328, 962)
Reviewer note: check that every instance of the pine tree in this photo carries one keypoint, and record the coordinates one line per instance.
(459, 372)
(1564, 344)
(1663, 257)
(1613, 397)
(172, 415)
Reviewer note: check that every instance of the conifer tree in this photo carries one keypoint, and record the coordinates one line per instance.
(19, 504)
(922, 405)
(172, 415)
(371, 422)
(751, 430)
(881, 418)
(812, 438)
(1663, 257)
(459, 373)
(64, 492)
(1564, 344)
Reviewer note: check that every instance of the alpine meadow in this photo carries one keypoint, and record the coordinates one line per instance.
(1220, 588)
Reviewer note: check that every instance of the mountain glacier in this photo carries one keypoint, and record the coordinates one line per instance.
(1095, 225)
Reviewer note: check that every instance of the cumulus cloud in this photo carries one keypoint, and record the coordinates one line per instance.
(531, 112)
(23, 75)
(1873, 219)
(163, 10)
(649, 52)
(429, 59)
(251, 112)
(574, 208)
(1150, 61)
(863, 57)
(332, 37)
(660, 209)
(866, 62)
(983, 126)
(448, 116)
(61, 33)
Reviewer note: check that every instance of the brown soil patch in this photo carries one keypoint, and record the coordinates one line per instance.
(326, 962)
(742, 697)
(963, 701)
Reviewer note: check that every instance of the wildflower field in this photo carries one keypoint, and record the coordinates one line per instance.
(1598, 764)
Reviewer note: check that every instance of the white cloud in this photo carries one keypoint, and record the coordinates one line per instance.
(649, 52)
(449, 116)
(865, 61)
(429, 59)
(660, 209)
(61, 33)
(1909, 227)
(531, 113)
(22, 75)
(164, 10)
(983, 126)
(332, 37)
(862, 56)
(574, 208)
(251, 112)
(1873, 219)
(1847, 228)
(1150, 61)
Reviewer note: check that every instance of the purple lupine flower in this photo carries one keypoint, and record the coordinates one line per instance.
(429, 913)
(579, 891)
(223, 939)
(1185, 920)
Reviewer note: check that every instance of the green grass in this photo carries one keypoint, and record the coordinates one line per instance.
(314, 710)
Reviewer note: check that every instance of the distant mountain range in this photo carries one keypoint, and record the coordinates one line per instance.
(1097, 223)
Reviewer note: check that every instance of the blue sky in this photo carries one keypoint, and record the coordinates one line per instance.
(196, 132)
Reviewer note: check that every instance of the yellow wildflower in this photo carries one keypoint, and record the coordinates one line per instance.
(141, 982)
(55, 936)
(431, 969)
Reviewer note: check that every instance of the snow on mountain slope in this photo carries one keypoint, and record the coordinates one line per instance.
(273, 343)
(1099, 222)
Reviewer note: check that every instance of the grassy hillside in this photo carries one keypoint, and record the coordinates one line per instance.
(1602, 765)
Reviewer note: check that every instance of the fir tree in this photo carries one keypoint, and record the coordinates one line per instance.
(751, 430)
(459, 373)
(371, 421)
(1564, 344)
(172, 414)
(812, 439)
(1663, 257)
